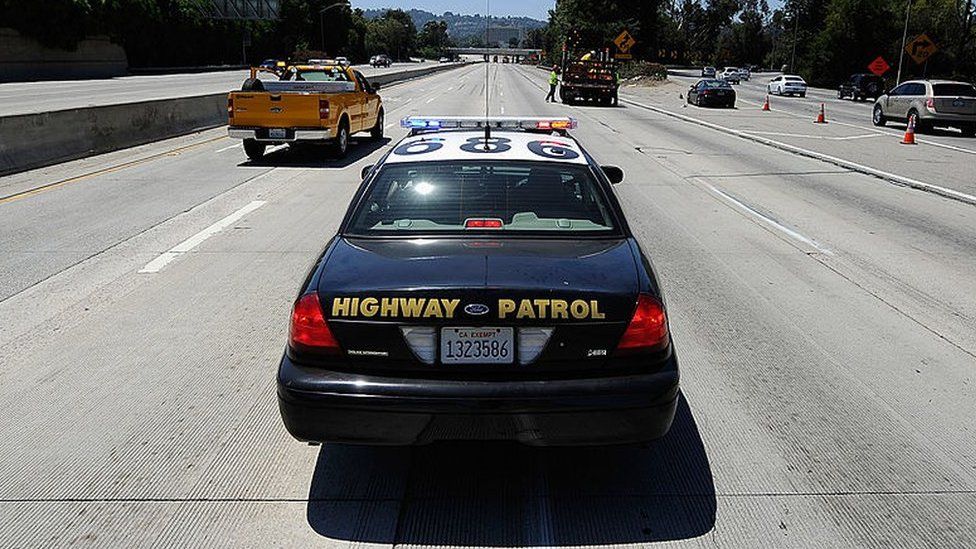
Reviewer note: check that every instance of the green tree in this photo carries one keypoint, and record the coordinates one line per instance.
(393, 34)
(593, 24)
(433, 40)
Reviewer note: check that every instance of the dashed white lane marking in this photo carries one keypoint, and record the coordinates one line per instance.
(430, 100)
(157, 264)
(770, 221)
(234, 146)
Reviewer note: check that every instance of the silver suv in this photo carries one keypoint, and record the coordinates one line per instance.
(932, 103)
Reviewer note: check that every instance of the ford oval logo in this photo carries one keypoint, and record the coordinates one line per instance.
(476, 309)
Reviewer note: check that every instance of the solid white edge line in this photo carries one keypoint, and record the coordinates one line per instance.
(853, 166)
(165, 258)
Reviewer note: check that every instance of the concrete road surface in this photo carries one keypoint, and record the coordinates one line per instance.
(826, 322)
(942, 156)
(36, 97)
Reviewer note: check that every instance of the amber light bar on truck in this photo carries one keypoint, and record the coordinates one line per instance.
(433, 123)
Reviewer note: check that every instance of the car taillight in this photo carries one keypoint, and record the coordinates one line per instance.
(323, 109)
(648, 328)
(930, 104)
(230, 106)
(309, 329)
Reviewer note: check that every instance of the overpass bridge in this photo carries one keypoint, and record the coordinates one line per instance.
(516, 53)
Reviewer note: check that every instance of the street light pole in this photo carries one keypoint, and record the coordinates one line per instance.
(904, 36)
(322, 20)
(796, 28)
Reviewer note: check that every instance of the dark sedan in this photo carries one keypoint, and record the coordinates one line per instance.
(711, 93)
(481, 289)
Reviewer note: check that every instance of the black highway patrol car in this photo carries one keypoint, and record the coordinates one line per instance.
(481, 287)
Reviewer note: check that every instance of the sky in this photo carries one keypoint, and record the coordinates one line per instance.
(537, 9)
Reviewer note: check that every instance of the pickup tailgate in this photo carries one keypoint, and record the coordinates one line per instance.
(270, 110)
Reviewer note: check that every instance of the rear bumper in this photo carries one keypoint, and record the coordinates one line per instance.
(325, 406)
(948, 119)
(292, 135)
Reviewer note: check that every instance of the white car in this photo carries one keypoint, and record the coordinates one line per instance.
(744, 73)
(730, 75)
(787, 84)
(344, 61)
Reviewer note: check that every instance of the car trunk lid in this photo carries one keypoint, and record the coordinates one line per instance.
(570, 299)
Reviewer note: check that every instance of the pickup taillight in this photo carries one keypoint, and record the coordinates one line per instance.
(930, 104)
(323, 109)
(230, 106)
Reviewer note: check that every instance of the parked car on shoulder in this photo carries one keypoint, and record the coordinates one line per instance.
(933, 103)
(861, 86)
(711, 92)
(787, 84)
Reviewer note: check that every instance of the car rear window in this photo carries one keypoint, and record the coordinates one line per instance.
(465, 197)
(322, 75)
(794, 79)
(717, 84)
(954, 90)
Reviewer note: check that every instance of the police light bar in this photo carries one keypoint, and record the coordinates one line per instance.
(422, 123)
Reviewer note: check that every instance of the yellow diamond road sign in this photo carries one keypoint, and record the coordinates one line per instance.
(624, 42)
(921, 48)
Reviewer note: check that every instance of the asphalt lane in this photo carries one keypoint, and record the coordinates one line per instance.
(825, 323)
(37, 97)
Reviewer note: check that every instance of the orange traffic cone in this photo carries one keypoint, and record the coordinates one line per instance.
(909, 138)
(822, 116)
(766, 103)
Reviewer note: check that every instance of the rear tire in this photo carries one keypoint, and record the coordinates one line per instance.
(377, 131)
(340, 146)
(920, 126)
(803, 94)
(254, 149)
(840, 94)
(969, 131)
(878, 117)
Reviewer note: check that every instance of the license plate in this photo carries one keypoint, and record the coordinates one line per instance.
(477, 345)
(277, 133)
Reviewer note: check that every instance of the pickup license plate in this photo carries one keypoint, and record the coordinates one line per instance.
(477, 345)
(277, 133)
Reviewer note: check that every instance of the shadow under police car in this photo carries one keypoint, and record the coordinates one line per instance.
(503, 494)
(305, 155)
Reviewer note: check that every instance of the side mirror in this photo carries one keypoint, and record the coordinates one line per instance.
(613, 173)
(365, 171)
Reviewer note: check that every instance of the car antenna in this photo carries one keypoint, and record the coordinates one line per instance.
(487, 67)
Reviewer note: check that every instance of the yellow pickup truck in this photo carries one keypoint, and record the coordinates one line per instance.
(323, 103)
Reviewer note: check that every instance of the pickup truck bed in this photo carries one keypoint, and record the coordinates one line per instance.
(268, 112)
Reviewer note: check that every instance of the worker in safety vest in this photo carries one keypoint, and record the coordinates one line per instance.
(553, 82)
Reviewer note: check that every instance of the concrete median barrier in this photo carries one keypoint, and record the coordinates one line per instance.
(34, 140)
